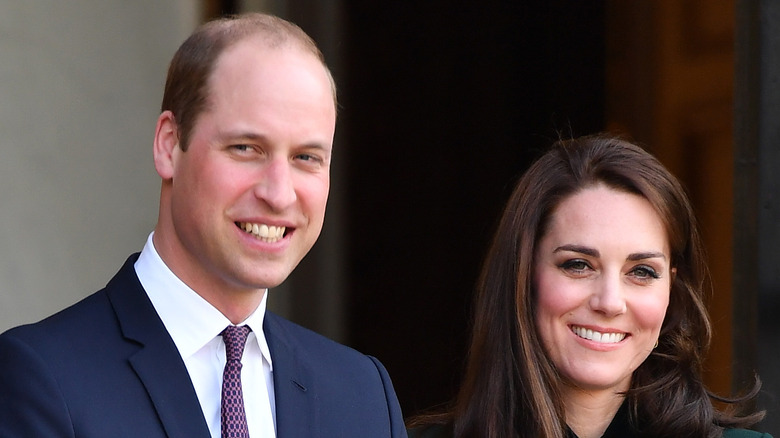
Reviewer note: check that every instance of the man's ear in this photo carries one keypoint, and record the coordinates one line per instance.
(166, 145)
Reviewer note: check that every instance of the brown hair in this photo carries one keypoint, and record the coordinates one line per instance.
(511, 387)
(186, 92)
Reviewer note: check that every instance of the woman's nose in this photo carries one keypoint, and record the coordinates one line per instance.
(608, 297)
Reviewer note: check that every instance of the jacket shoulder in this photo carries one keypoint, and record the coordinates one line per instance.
(353, 394)
(62, 326)
(308, 342)
(90, 316)
(332, 363)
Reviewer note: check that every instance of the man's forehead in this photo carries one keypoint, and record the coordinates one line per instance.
(256, 47)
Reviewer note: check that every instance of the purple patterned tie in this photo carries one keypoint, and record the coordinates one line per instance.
(233, 414)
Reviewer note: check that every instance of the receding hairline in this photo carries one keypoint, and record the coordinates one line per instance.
(187, 91)
(273, 32)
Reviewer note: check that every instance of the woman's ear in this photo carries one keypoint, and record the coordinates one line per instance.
(166, 145)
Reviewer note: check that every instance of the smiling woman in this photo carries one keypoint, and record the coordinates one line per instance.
(602, 279)
(590, 319)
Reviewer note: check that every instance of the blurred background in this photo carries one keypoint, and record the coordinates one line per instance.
(443, 106)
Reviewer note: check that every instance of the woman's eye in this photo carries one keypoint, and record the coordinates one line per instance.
(645, 272)
(575, 265)
(241, 147)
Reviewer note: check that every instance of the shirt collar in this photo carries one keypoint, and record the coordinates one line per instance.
(191, 321)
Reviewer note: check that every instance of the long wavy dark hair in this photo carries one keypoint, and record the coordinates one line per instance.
(511, 387)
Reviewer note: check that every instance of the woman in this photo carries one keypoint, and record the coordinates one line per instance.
(589, 318)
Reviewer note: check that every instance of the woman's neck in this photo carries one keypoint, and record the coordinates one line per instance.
(589, 413)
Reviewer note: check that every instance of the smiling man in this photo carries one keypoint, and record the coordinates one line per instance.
(179, 343)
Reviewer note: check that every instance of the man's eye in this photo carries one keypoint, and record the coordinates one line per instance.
(309, 158)
(241, 147)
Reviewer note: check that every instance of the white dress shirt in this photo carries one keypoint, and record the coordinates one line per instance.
(195, 327)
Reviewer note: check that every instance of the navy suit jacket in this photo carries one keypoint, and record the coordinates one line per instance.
(107, 367)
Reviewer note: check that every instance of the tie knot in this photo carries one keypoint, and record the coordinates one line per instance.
(235, 339)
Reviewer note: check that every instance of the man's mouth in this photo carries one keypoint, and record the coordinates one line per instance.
(602, 338)
(266, 233)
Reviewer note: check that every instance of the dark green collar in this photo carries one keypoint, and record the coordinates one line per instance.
(620, 427)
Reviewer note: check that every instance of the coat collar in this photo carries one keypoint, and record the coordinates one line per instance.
(297, 414)
(157, 361)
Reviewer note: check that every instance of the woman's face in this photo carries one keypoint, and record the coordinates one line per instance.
(602, 278)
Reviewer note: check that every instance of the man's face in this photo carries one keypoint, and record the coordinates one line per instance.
(247, 198)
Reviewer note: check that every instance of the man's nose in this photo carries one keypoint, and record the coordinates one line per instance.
(608, 296)
(276, 186)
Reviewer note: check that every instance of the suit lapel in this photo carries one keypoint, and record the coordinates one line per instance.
(157, 361)
(296, 411)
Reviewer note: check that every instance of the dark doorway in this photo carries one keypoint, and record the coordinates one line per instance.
(443, 106)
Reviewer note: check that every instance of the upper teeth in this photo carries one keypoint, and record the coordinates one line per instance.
(267, 233)
(604, 338)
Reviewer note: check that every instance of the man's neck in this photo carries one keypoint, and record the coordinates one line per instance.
(236, 308)
(233, 301)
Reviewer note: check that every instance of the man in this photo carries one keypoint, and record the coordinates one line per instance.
(243, 147)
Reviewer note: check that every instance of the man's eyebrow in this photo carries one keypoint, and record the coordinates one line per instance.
(249, 135)
(226, 136)
(579, 249)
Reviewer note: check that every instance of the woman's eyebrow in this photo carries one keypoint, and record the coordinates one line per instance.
(578, 248)
(646, 255)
